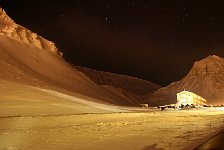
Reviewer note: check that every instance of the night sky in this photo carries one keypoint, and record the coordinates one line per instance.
(156, 40)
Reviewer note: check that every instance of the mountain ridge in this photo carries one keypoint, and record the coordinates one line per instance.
(205, 78)
(132, 84)
(29, 59)
(17, 32)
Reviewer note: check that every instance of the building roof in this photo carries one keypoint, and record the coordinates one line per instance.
(191, 93)
(185, 92)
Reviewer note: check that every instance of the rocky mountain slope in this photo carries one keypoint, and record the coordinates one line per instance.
(9, 28)
(29, 59)
(130, 84)
(206, 78)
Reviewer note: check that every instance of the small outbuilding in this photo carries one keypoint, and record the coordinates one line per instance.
(144, 105)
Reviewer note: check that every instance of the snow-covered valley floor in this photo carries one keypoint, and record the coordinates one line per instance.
(113, 131)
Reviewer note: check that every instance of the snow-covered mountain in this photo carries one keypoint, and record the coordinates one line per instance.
(206, 78)
(28, 59)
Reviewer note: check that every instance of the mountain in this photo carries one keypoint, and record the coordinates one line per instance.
(130, 84)
(10, 29)
(26, 57)
(206, 78)
(33, 70)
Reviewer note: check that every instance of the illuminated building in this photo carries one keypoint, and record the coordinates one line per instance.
(186, 97)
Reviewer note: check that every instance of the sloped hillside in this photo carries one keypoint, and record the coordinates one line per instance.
(206, 78)
(131, 84)
(30, 59)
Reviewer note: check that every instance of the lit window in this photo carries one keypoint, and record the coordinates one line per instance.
(183, 95)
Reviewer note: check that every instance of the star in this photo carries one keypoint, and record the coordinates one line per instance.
(34, 13)
(108, 20)
(173, 43)
(133, 4)
(161, 9)
(61, 15)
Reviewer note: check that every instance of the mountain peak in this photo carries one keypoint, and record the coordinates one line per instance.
(206, 78)
(4, 19)
(208, 66)
(213, 57)
(17, 32)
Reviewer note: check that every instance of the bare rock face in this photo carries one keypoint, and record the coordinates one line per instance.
(130, 84)
(211, 66)
(9, 28)
(206, 78)
(5, 20)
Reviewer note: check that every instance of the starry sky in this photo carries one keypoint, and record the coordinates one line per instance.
(156, 40)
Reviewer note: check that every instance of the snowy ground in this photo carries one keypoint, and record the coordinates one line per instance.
(19, 99)
(37, 113)
(45, 119)
(120, 131)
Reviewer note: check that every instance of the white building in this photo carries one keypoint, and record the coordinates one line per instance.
(186, 97)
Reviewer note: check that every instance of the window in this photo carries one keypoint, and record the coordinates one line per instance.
(183, 100)
(183, 95)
